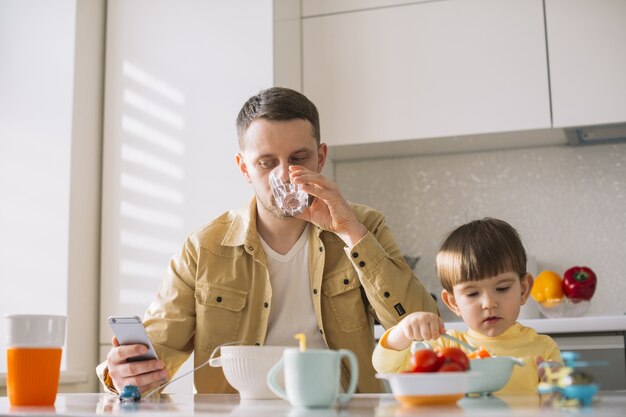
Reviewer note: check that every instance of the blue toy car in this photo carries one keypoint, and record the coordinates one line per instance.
(130, 393)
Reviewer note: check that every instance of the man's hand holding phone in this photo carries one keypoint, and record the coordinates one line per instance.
(132, 360)
(146, 374)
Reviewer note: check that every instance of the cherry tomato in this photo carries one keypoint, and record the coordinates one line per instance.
(451, 367)
(425, 360)
(455, 355)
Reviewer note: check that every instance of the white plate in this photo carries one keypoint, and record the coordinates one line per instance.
(416, 388)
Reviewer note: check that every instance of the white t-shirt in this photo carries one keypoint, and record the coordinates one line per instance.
(291, 307)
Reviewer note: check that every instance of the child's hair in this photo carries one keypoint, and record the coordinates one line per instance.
(478, 250)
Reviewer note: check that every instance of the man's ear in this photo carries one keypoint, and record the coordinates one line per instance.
(321, 156)
(242, 167)
(449, 300)
(526, 283)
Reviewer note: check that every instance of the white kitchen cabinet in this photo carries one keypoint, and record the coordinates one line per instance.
(427, 70)
(587, 50)
(605, 353)
(318, 7)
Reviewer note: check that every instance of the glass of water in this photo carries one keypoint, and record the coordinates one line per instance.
(290, 198)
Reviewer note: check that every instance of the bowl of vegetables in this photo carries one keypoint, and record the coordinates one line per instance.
(493, 372)
(434, 377)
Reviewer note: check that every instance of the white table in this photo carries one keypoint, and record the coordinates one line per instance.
(378, 405)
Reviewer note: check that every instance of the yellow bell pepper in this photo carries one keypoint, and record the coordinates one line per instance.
(547, 288)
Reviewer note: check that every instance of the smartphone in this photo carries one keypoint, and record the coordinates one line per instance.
(129, 330)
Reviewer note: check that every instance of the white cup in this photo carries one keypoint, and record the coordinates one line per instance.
(34, 352)
(32, 330)
(313, 377)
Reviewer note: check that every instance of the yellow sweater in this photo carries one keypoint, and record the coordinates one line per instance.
(518, 341)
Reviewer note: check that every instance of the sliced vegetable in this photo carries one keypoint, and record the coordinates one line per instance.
(479, 353)
(455, 355)
(425, 360)
(451, 367)
(447, 359)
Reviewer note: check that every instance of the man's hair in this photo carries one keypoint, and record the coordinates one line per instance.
(478, 250)
(277, 103)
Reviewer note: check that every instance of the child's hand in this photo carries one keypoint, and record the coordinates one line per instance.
(416, 326)
(541, 370)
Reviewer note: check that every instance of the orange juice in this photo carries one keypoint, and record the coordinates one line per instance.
(33, 375)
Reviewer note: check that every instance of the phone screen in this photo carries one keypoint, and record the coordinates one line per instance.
(129, 330)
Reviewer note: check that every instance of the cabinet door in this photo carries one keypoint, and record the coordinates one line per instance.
(605, 354)
(428, 70)
(587, 50)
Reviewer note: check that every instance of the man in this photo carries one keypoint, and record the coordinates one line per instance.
(261, 276)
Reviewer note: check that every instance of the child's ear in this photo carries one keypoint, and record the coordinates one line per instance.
(449, 300)
(526, 283)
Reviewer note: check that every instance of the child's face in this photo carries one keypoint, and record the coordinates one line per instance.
(492, 305)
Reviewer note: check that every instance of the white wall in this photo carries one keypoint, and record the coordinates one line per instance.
(36, 88)
(51, 66)
(177, 73)
(566, 202)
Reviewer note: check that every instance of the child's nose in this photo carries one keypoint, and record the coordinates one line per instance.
(489, 302)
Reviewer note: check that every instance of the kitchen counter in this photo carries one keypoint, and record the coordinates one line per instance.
(584, 324)
(379, 405)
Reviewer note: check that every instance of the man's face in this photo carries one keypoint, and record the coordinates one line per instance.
(268, 145)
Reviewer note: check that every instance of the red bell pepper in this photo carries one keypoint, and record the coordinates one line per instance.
(579, 282)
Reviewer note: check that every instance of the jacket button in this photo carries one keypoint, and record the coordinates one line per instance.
(218, 299)
(266, 305)
(361, 264)
(346, 281)
(314, 290)
(321, 249)
(251, 248)
(355, 254)
(386, 294)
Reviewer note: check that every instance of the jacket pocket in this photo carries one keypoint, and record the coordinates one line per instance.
(342, 292)
(219, 313)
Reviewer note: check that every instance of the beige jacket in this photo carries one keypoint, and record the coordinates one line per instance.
(217, 290)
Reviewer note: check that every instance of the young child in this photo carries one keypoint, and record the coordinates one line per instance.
(482, 268)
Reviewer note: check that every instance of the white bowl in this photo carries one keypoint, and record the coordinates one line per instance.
(492, 373)
(246, 368)
(419, 388)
